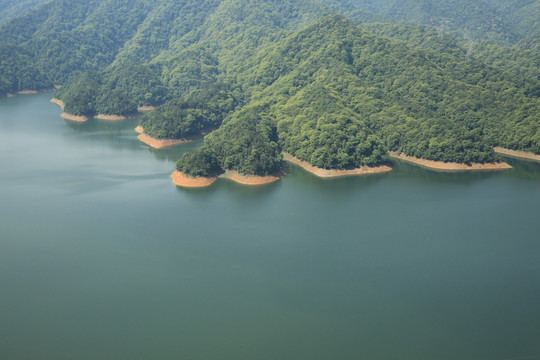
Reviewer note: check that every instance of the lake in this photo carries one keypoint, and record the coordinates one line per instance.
(102, 257)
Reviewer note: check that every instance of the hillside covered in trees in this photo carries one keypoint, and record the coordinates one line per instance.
(336, 83)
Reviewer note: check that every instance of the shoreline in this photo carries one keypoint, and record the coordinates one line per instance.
(330, 173)
(161, 143)
(182, 180)
(27, 92)
(145, 108)
(250, 179)
(110, 117)
(58, 102)
(68, 116)
(444, 166)
(517, 154)
(71, 117)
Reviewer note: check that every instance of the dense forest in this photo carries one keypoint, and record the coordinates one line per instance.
(193, 114)
(119, 89)
(336, 83)
(18, 72)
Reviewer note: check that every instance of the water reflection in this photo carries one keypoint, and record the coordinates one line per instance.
(523, 169)
(120, 135)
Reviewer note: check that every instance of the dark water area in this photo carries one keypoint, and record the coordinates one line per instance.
(102, 257)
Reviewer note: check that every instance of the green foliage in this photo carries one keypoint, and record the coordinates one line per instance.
(317, 127)
(140, 83)
(81, 94)
(247, 143)
(341, 116)
(17, 72)
(117, 90)
(199, 163)
(114, 102)
(202, 110)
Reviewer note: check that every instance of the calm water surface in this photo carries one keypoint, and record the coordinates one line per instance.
(101, 257)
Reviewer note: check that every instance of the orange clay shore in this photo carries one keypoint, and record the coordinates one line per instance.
(58, 102)
(325, 173)
(65, 115)
(182, 180)
(158, 143)
(78, 118)
(444, 166)
(250, 179)
(68, 116)
(517, 154)
(27, 92)
(110, 117)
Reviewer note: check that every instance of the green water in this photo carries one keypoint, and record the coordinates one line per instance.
(101, 257)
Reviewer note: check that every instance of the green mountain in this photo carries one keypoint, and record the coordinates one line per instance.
(340, 97)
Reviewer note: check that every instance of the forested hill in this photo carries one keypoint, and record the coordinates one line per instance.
(340, 97)
(65, 37)
(331, 82)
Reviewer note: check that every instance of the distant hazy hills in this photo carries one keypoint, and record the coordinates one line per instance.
(12, 8)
